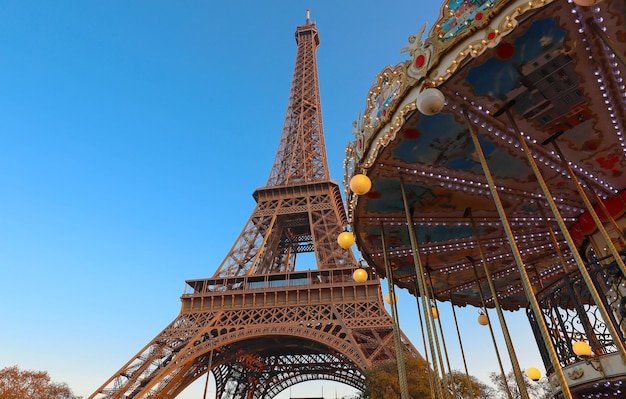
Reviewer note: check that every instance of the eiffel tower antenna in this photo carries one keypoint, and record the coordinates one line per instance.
(259, 324)
(301, 155)
(274, 236)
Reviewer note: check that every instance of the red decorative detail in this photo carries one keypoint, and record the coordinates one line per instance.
(586, 223)
(577, 234)
(505, 51)
(374, 194)
(411, 134)
(590, 145)
(420, 60)
(372, 238)
(393, 240)
(479, 16)
(359, 144)
(614, 205)
(491, 35)
(608, 162)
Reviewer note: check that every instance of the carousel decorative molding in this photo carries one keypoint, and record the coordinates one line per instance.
(389, 87)
(529, 135)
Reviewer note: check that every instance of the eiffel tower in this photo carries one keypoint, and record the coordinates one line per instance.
(259, 324)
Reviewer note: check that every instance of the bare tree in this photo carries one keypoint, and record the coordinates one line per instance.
(460, 388)
(536, 389)
(25, 384)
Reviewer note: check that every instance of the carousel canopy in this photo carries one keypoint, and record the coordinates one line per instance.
(552, 70)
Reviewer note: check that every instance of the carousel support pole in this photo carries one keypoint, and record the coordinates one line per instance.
(593, 340)
(419, 273)
(444, 375)
(431, 297)
(549, 305)
(609, 217)
(431, 378)
(599, 301)
(528, 289)
(555, 242)
(519, 378)
(404, 388)
(458, 333)
(588, 205)
(493, 336)
(443, 338)
(596, 29)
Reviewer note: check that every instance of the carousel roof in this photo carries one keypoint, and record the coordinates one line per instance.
(556, 69)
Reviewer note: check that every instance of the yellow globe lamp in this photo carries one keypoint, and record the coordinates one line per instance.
(360, 275)
(434, 312)
(360, 184)
(388, 298)
(581, 348)
(483, 320)
(345, 239)
(533, 373)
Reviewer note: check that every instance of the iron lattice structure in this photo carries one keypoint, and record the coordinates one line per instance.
(259, 325)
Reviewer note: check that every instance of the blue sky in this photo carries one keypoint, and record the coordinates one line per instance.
(132, 135)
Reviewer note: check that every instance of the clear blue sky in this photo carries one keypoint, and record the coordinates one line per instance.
(132, 135)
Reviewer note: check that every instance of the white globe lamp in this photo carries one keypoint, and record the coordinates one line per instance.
(430, 101)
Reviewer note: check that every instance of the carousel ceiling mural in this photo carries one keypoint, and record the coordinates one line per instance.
(549, 67)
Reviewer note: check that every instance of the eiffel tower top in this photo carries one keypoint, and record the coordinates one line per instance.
(301, 155)
(300, 210)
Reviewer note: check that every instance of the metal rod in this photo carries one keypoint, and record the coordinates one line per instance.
(404, 390)
(609, 217)
(431, 296)
(496, 301)
(444, 375)
(530, 295)
(398, 338)
(599, 301)
(431, 379)
(419, 272)
(493, 337)
(555, 242)
(458, 333)
(607, 41)
(591, 210)
(443, 339)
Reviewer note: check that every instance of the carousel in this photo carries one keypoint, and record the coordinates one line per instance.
(488, 169)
